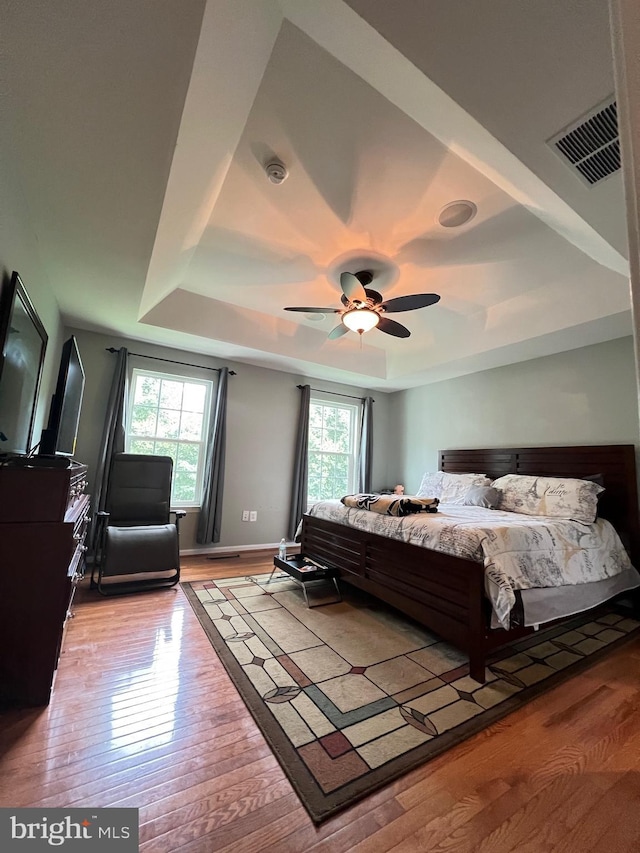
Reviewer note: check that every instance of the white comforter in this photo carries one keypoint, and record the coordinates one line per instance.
(518, 551)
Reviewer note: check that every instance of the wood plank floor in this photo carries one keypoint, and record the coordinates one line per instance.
(144, 715)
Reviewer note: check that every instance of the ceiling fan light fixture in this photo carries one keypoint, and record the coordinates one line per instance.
(361, 319)
(364, 309)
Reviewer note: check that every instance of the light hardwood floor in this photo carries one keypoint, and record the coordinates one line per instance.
(144, 715)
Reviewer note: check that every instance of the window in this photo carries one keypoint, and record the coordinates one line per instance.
(332, 458)
(169, 416)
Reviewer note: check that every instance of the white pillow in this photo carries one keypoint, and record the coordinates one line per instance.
(430, 486)
(484, 496)
(560, 497)
(455, 486)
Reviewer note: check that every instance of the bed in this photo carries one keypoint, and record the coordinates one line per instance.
(447, 593)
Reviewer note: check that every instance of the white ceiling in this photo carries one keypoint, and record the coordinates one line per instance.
(141, 129)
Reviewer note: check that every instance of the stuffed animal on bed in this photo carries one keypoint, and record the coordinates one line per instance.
(396, 490)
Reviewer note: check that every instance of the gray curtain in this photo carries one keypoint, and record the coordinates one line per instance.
(210, 519)
(365, 455)
(113, 434)
(301, 464)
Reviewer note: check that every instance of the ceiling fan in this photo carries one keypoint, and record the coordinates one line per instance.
(364, 308)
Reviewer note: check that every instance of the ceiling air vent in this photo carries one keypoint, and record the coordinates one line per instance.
(591, 145)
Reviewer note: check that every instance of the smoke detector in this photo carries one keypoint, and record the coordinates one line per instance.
(276, 172)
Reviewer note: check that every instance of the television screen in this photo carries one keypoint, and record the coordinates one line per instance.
(23, 341)
(62, 428)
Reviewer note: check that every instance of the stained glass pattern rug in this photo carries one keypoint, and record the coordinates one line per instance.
(351, 695)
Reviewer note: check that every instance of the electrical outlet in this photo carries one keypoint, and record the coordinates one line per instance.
(253, 515)
(245, 515)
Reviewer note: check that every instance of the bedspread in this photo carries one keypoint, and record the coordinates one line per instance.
(518, 551)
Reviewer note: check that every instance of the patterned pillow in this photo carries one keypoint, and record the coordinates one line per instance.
(559, 497)
(431, 485)
(455, 486)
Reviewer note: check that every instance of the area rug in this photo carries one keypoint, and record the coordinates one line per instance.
(352, 695)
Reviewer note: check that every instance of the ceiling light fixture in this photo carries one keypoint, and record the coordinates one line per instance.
(361, 319)
(365, 309)
(456, 213)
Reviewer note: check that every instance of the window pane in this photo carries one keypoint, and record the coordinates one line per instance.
(143, 420)
(191, 426)
(315, 438)
(340, 430)
(327, 491)
(138, 445)
(331, 459)
(184, 486)
(331, 430)
(147, 390)
(315, 415)
(171, 394)
(335, 441)
(167, 448)
(194, 397)
(315, 464)
(314, 490)
(188, 456)
(169, 417)
(328, 476)
(168, 423)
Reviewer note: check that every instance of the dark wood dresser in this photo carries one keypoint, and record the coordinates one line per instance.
(44, 514)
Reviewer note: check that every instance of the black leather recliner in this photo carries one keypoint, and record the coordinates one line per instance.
(137, 543)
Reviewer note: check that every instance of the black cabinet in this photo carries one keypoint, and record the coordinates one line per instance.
(44, 513)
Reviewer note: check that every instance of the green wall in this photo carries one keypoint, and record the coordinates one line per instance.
(19, 251)
(584, 396)
(262, 417)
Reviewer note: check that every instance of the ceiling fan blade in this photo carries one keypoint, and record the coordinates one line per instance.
(352, 288)
(373, 295)
(338, 332)
(315, 310)
(390, 327)
(411, 302)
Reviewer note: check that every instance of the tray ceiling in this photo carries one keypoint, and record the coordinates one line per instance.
(143, 135)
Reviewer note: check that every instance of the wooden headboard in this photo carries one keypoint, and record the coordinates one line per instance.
(615, 462)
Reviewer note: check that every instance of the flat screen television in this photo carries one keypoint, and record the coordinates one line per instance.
(59, 438)
(23, 343)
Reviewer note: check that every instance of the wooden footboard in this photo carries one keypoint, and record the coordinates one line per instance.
(443, 593)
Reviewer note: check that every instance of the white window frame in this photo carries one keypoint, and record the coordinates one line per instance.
(354, 411)
(129, 437)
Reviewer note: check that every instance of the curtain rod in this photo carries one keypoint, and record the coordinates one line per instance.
(336, 393)
(172, 361)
